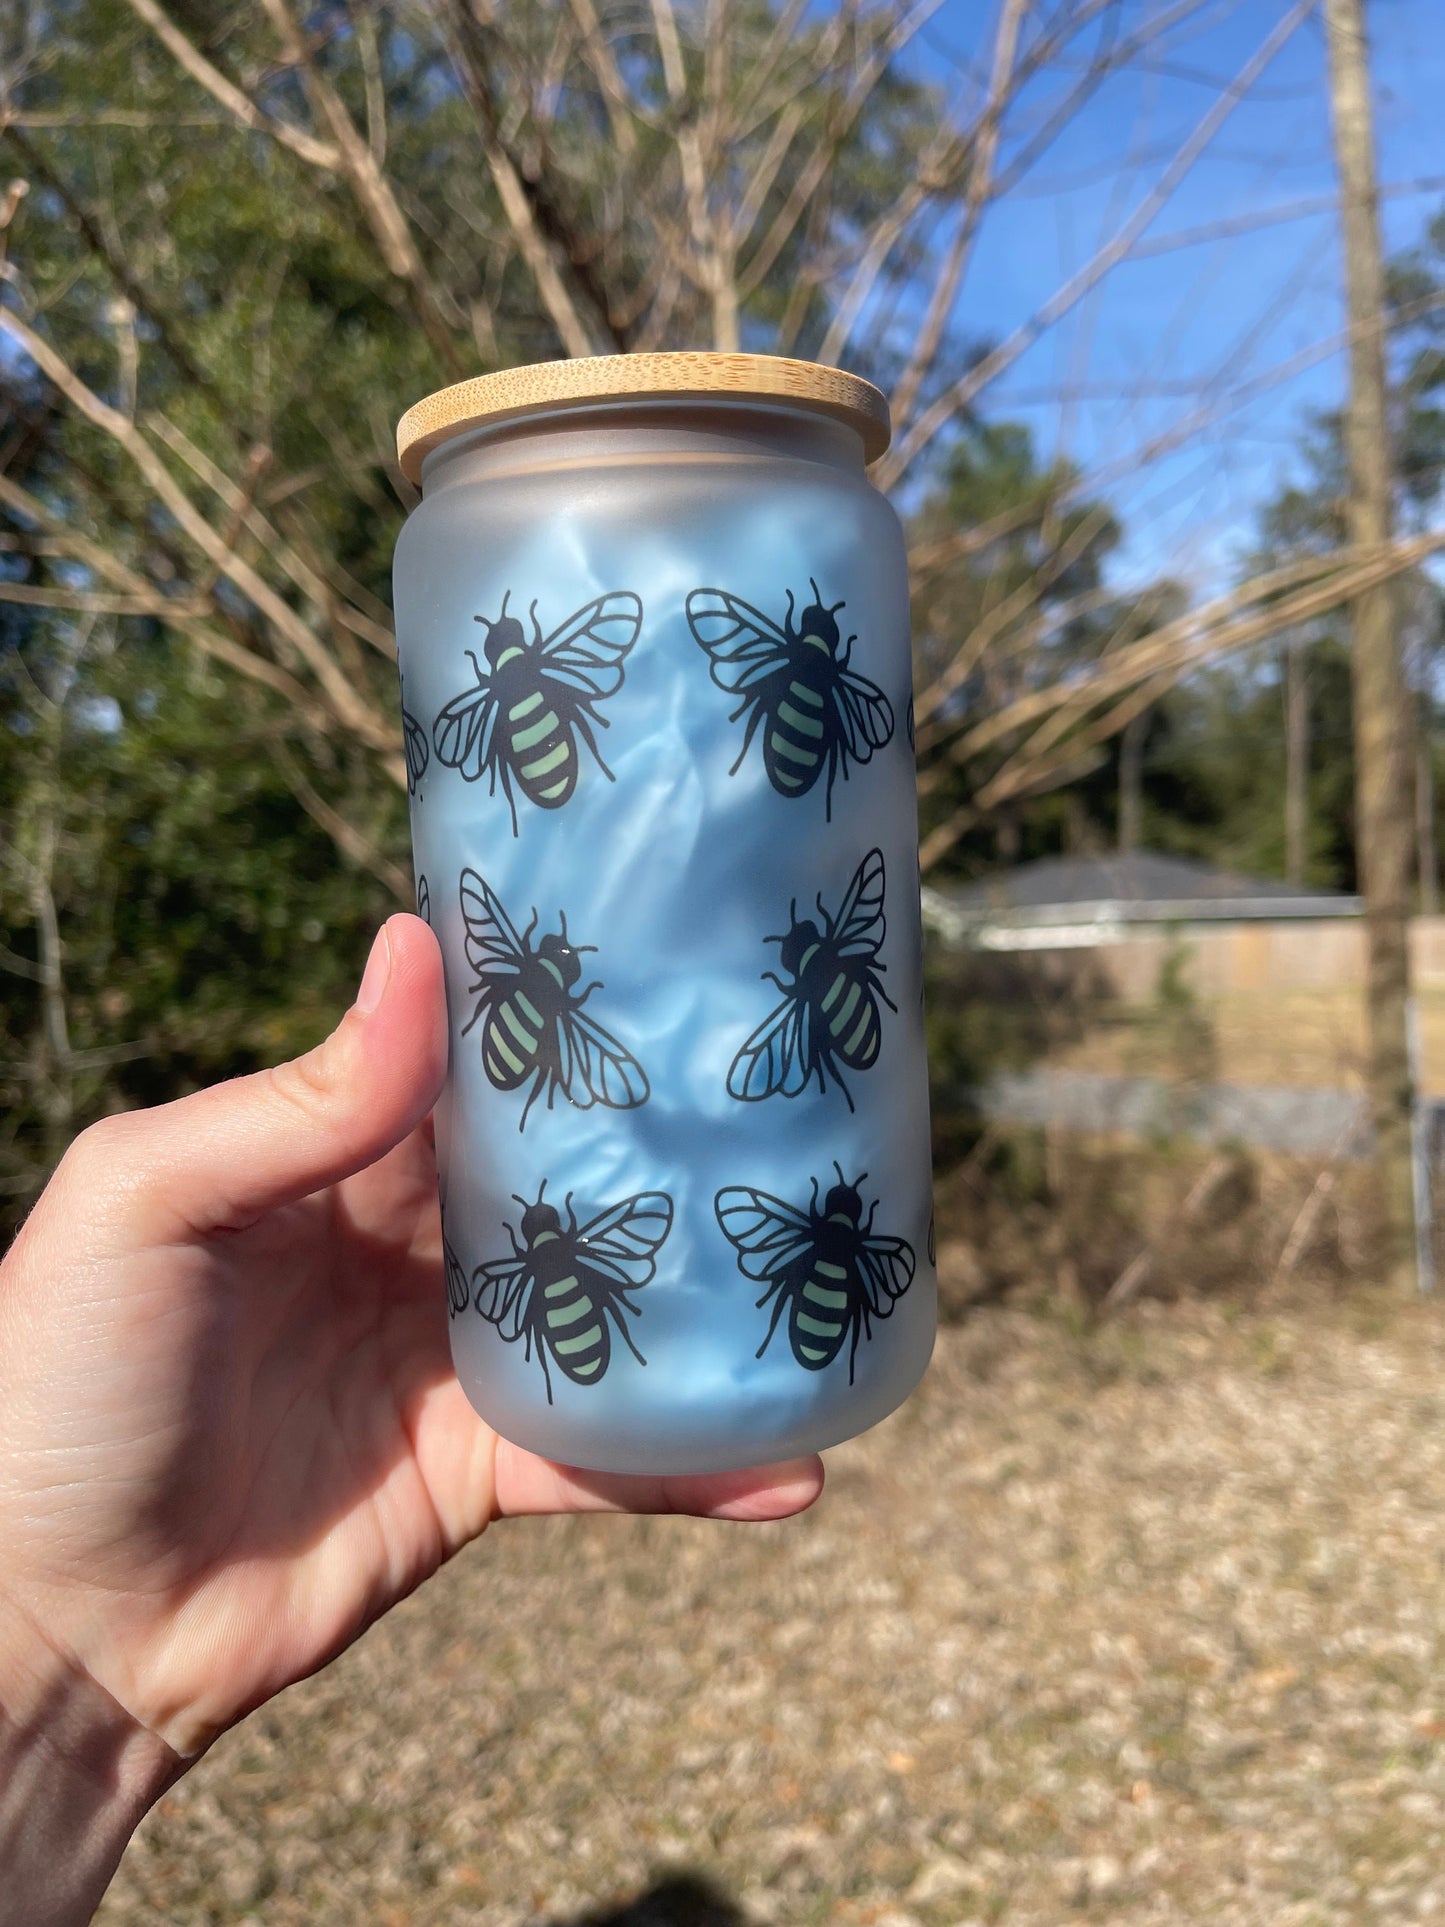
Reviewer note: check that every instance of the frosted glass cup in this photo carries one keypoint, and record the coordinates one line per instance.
(656, 699)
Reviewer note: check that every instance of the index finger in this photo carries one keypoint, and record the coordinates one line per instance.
(527, 1485)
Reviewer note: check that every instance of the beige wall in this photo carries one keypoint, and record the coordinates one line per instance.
(1266, 956)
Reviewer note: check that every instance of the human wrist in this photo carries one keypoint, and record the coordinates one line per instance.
(77, 1773)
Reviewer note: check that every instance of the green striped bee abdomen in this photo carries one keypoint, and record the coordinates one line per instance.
(850, 1010)
(795, 749)
(541, 752)
(821, 1313)
(513, 1039)
(574, 1329)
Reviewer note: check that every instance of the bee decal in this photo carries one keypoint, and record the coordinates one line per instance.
(533, 1024)
(824, 1266)
(563, 1283)
(829, 1018)
(521, 720)
(459, 1292)
(415, 744)
(817, 714)
(423, 898)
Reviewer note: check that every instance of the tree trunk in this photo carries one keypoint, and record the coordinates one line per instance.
(1296, 762)
(1425, 814)
(1381, 724)
(1131, 781)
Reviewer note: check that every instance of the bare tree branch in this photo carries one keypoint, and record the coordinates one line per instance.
(347, 705)
(242, 109)
(983, 152)
(373, 192)
(961, 393)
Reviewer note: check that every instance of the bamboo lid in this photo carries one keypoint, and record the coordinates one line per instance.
(514, 392)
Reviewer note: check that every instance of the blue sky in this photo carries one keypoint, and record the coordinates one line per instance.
(1199, 320)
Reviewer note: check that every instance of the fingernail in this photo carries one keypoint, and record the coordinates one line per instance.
(378, 969)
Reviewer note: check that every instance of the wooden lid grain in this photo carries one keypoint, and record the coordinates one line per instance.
(514, 392)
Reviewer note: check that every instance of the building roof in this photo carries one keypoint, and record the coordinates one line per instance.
(1078, 900)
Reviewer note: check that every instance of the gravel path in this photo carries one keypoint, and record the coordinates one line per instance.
(1138, 1626)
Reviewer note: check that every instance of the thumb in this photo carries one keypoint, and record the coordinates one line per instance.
(224, 1157)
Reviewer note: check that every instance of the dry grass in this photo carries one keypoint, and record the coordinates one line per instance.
(1138, 1624)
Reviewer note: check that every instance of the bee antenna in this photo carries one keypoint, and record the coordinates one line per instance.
(782, 939)
(581, 949)
(839, 1169)
(503, 610)
(817, 592)
(486, 624)
(859, 1179)
(521, 1200)
(471, 654)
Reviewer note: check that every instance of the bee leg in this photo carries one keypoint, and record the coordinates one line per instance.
(511, 800)
(578, 1002)
(853, 1348)
(788, 630)
(772, 977)
(542, 1361)
(754, 722)
(532, 1096)
(880, 991)
(621, 1324)
(778, 1311)
(844, 1089)
(474, 1016)
(584, 722)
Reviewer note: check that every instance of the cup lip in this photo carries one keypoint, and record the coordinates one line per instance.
(513, 393)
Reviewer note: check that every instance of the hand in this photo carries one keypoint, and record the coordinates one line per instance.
(230, 1435)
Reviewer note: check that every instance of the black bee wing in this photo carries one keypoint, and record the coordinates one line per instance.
(418, 755)
(860, 928)
(886, 1267)
(459, 1292)
(586, 653)
(744, 646)
(622, 1243)
(503, 1289)
(464, 730)
(595, 1068)
(865, 715)
(492, 942)
(767, 1233)
(776, 1059)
